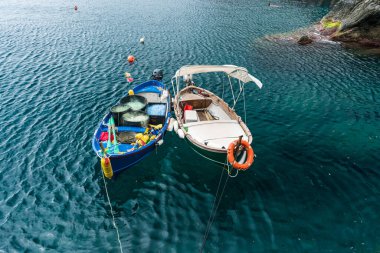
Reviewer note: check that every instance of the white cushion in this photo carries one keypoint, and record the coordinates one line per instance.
(191, 116)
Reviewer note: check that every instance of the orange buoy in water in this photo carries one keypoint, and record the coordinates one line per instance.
(131, 59)
(76, 7)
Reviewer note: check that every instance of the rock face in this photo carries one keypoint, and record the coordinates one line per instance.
(354, 21)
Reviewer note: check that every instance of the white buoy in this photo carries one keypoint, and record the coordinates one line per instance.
(170, 125)
(142, 40)
(181, 134)
(160, 142)
(175, 125)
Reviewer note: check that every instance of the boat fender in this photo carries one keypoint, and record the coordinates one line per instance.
(231, 158)
(180, 133)
(160, 142)
(171, 123)
(175, 126)
(106, 167)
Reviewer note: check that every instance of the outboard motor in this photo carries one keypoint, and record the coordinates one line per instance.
(158, 74)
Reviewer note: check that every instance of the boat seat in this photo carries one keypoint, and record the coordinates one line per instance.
(217, 133)
(191, 116)
(196, 103)
(204, 115)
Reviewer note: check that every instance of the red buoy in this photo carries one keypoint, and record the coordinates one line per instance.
(76, 7)
(131, 59)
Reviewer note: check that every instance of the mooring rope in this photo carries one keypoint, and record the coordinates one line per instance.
(113, 217)
(245, 111)
(214, 209)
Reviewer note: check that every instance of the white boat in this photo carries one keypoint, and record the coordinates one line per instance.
(211, 126)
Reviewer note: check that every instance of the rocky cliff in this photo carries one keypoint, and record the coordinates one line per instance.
(354, 21)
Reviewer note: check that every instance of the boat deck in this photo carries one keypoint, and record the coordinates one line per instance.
(217, 133)
(209, 122)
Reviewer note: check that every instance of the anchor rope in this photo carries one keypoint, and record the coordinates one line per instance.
(113, 217)
(214, 209)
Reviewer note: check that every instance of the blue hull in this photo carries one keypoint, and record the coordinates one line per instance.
(123, 162)
(126, 160)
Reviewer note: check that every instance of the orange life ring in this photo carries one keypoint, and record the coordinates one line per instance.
(232, 160)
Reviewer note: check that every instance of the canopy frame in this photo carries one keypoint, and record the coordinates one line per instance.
(239, 73)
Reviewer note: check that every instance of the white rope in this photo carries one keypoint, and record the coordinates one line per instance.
(207, 157)
(224, 164)
(113, 217)
(174, 94)
(241, 89)
(214, 210)
(223, 92)
(232, 89)
(229, 171)
(245, 111)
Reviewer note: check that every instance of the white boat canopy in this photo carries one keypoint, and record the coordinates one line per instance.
(239, 73)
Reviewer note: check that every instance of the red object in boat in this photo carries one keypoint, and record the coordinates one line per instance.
(104, 136)
(188, 107)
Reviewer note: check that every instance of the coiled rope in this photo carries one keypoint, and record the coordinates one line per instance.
(113, 217)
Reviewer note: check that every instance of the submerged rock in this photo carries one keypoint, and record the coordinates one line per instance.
(304, 40)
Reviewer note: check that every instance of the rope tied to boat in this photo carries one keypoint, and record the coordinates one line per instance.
(217, 200)
(113, 217)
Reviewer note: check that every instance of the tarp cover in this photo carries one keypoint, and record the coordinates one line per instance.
(231, 70)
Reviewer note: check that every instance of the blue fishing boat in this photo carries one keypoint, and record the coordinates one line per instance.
(134, 127)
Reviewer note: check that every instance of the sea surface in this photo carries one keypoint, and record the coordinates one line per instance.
(315, 183)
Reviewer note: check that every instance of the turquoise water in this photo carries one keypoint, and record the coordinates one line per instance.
(314, 186)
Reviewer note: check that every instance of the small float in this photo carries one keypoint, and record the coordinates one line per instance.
(211, 126)
(134, 127)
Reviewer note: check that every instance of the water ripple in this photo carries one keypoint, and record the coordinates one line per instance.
(315, 126)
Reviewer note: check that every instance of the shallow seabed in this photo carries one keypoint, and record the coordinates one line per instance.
(314, 186)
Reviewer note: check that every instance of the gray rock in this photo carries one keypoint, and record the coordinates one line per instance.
(360, 21)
